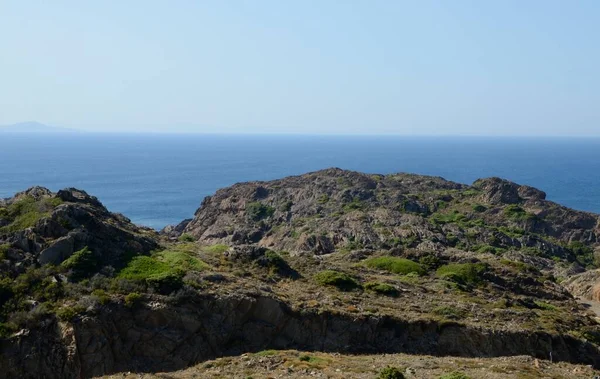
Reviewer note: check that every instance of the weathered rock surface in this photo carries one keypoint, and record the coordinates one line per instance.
(159, 337)
(334, 209)
(68, 221)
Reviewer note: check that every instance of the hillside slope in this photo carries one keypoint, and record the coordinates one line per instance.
(333, 261)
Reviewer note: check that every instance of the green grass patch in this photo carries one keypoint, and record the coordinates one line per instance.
(545, 306)
(26, 212)
(216, 249)
(463, 273)
(401, 266)
(453, 217)
(163, 270)
(516, 213)
(185, 237)
(381, 288)
(337, 279)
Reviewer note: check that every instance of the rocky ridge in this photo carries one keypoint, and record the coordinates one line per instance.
(332, 261)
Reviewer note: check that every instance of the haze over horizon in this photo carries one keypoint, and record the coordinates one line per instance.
(383, 67)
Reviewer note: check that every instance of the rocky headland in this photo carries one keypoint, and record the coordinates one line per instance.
(331, 262)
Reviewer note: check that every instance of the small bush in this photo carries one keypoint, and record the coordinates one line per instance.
(185, 237)
(68, 313)
(102, 296)
(82, 264)
(257, 211)
(390, 372)
(463, 273)
(544, 305)
(516, 213)
(381, 288)
(4, 250)
(132, 299)
(395, 265)
(449, 312)
(337, 279)
(454, 375)
(448, 218)
(479, 208)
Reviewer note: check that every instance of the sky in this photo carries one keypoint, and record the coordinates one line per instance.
(303, 66)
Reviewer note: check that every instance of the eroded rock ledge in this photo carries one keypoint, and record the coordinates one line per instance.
(160, 337)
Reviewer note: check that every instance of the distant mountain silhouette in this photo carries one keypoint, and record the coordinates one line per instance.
(33, 127)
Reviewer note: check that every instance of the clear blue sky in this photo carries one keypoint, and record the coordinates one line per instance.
(418, 67)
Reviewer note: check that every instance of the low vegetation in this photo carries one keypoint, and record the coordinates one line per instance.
(337, 279)
(395, 265)
(463, 273)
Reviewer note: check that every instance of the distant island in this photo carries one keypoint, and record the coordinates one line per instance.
(33, 127)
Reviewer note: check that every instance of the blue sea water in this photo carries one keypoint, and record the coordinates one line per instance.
(161, 179)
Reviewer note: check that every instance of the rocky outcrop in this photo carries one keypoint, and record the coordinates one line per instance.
(334, 209)
(67, 222)
(159, 337)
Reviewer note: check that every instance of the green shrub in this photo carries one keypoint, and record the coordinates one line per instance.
(463, 273)
(275, 260)
(287, 206)
(6, 290)
(454, 375)
(7, 329)
(448, 218)
(102, 296)
(337, 279)
(584, 254)
(449, 312)
(381, 288)
(257, 211)
(132, 299)
(68, 313)
(544, 305)
(323, 199)
(395, 265)
(82, 264)
(479, 208)
(4, 250)
(516, 213)
(390, 372)
(217, 249)
(429, 261)
(355, 204)
(185, 237)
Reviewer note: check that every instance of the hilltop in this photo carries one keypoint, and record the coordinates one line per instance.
(328, 262)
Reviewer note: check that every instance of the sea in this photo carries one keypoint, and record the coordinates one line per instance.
(161, 179)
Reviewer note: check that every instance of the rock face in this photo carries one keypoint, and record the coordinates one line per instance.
(62, 223)
(334, 209)
(156, 337)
